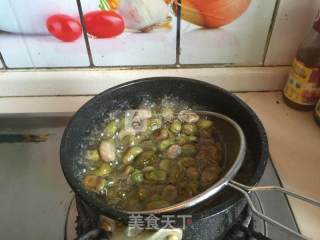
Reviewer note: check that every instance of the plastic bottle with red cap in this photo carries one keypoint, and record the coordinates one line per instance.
(302, 89)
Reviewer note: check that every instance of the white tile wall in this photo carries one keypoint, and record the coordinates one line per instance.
(25, 41)
(132, 48)
(294, 20)
(241, 42)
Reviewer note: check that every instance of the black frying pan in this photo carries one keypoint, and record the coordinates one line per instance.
(209, 97)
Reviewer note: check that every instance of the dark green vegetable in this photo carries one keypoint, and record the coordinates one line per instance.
(183, 139)
(93, 155)
(148, 146)
(137, 177)
(189, 129)
(188, 150)
(111, 129)
(156, 175)
(164, 144)
(121, 122)
(145, 159)
(165, 164)
(131, 154)
(103, 171)
(154, 124)
(204, 124)
(176, 126)
(130, 140)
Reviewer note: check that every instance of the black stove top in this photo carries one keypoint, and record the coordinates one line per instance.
(82, 221)
(87, 226)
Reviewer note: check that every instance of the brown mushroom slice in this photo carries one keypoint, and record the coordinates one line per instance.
(107, 151)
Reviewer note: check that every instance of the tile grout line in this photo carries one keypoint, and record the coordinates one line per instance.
(143, 67)
(85, 34)
(178, 43)
(5, 67)
(271, 28)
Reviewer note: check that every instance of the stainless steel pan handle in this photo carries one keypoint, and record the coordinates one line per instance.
(245, 190)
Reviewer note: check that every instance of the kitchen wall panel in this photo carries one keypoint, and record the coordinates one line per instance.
(25, 41)
(149, 37)
(241, 42)
(293, 21)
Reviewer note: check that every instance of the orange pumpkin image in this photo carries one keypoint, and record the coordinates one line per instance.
(212, 13)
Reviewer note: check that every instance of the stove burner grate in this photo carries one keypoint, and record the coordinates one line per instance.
(239, 232)
(87, 222)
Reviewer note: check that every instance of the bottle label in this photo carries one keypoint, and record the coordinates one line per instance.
(303, 85)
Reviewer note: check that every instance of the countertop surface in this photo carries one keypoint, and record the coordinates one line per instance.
(294, 141)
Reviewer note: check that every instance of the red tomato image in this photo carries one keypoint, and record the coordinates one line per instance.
(64, 27)
(104, 24)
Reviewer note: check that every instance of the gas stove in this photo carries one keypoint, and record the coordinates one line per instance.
(37, 203)
(83, 223)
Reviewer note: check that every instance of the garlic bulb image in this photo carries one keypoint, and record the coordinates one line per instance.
(142, 15)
